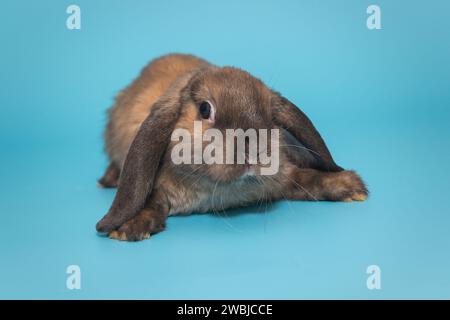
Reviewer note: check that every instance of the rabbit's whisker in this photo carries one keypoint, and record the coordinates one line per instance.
(189, 174)
(300, 186)
(282, 193)
(300, 147)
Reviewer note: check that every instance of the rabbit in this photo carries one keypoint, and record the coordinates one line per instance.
(174, 91)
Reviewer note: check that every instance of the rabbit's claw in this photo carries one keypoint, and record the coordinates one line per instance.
(140, 227)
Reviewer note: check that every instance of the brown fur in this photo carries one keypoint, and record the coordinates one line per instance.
(134, 103)
(166, 96)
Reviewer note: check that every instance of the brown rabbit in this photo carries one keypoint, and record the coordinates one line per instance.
(175, 91)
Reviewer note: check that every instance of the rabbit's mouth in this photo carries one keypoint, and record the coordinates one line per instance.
(249, 172)
(232, 173)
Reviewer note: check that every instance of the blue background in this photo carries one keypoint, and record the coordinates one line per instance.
(380, 98)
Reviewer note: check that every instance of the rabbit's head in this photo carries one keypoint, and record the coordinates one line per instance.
(225, 130)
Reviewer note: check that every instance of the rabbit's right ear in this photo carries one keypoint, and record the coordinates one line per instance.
(286, 115)
(143, 161)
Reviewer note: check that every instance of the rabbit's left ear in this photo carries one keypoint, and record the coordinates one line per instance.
(287, 116)
(142, 163)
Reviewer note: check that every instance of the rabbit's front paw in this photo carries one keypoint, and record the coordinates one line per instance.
(139, 228)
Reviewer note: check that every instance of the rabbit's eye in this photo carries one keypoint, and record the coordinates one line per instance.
(205, 110)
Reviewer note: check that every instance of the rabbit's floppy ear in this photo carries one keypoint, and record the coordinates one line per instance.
(143, 160)
(289, 117)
